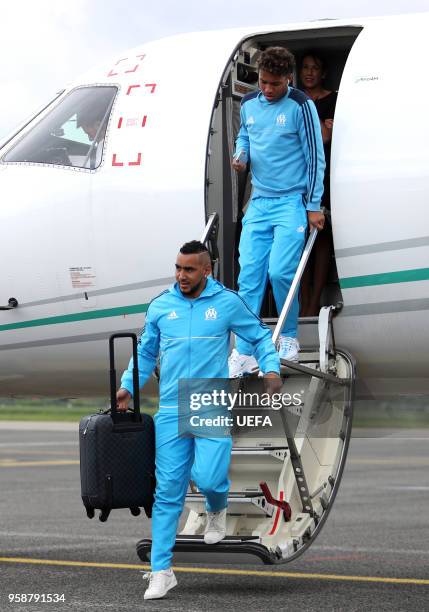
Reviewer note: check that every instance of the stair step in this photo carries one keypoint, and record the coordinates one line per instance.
(309, 357)
(226, 540)
(246, 547)
(242, 502)
(291, 372)
(259, 448)
(263, 455)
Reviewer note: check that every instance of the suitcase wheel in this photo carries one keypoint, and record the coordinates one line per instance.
(135, 511)
(104, 515)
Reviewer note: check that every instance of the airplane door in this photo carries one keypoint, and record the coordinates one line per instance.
(380, 158)
(379, 196)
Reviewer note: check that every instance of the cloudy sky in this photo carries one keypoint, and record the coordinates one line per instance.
(46, 43)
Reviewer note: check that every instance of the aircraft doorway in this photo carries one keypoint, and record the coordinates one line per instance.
(228, 193)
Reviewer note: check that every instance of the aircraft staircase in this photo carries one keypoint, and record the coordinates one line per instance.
(282, 486)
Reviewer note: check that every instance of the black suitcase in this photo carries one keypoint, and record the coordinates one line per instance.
(117, 452)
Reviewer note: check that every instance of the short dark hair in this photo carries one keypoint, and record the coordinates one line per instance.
(277, 60)
(193, 247)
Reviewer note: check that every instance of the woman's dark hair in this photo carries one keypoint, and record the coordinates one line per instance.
(277, 60)
(318, 58)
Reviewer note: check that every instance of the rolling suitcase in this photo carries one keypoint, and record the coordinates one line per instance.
(117, 452)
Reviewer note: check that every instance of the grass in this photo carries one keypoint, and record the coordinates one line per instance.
(71, 410)
(409, 415)
(412, 413)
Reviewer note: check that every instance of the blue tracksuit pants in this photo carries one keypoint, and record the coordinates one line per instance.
(271, 244)
(207, 458)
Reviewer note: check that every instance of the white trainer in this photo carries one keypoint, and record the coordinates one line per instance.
(241, 365)
(215, 529)
(159, 583)
(289, 348)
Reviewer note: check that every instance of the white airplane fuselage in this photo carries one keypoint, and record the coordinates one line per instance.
(85, 250)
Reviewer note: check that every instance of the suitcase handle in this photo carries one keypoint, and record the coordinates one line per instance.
(136, 387)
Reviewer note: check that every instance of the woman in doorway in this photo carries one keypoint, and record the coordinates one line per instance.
(312, 75)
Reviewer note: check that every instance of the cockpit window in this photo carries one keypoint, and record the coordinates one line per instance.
(72, 134)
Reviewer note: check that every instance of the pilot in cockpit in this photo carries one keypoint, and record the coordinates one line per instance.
(90, 122)
(93, 122)
(92, 117)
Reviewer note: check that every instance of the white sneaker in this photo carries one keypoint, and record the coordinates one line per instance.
(241, 365)
(159, 583)
(289, 348)
(215, 529)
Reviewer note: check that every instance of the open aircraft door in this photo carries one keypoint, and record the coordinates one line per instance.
(379, 196)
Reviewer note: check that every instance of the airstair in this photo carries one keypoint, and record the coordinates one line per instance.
(283, 485)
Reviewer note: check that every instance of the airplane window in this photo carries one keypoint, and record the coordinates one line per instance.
(72, 134)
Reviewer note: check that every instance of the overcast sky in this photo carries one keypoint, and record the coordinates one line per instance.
(46, 43)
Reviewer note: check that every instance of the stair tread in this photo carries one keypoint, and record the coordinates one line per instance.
(227, 538)
(231, 495)
(262, 449)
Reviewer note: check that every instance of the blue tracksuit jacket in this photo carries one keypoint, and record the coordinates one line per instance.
(192, 338)
(283, 140)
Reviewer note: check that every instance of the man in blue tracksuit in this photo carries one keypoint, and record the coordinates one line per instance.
(281, 137)
(189, 327)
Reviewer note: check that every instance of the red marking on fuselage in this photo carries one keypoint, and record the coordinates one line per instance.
(276, 520)
(116, 163)
(124, 59)
(138, 162)
(120, 122)
(144, 120)
(152, 85)
(130, 87)
(133, 69)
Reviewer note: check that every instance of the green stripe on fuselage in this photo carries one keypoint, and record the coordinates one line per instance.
(385, 278)
(351, 282)
(78, 316)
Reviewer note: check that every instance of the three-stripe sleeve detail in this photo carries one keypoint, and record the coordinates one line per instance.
(262, 324)
(147, 311)
(311, 139)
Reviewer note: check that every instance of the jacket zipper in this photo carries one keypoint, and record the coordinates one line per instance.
(189, 338)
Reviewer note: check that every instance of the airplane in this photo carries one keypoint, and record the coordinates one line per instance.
(104, 184)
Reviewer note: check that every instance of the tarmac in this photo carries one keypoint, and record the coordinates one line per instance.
(372, 554)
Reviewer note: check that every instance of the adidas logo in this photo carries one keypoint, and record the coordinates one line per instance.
(281, 119)
(250, 120)
(172, 315)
